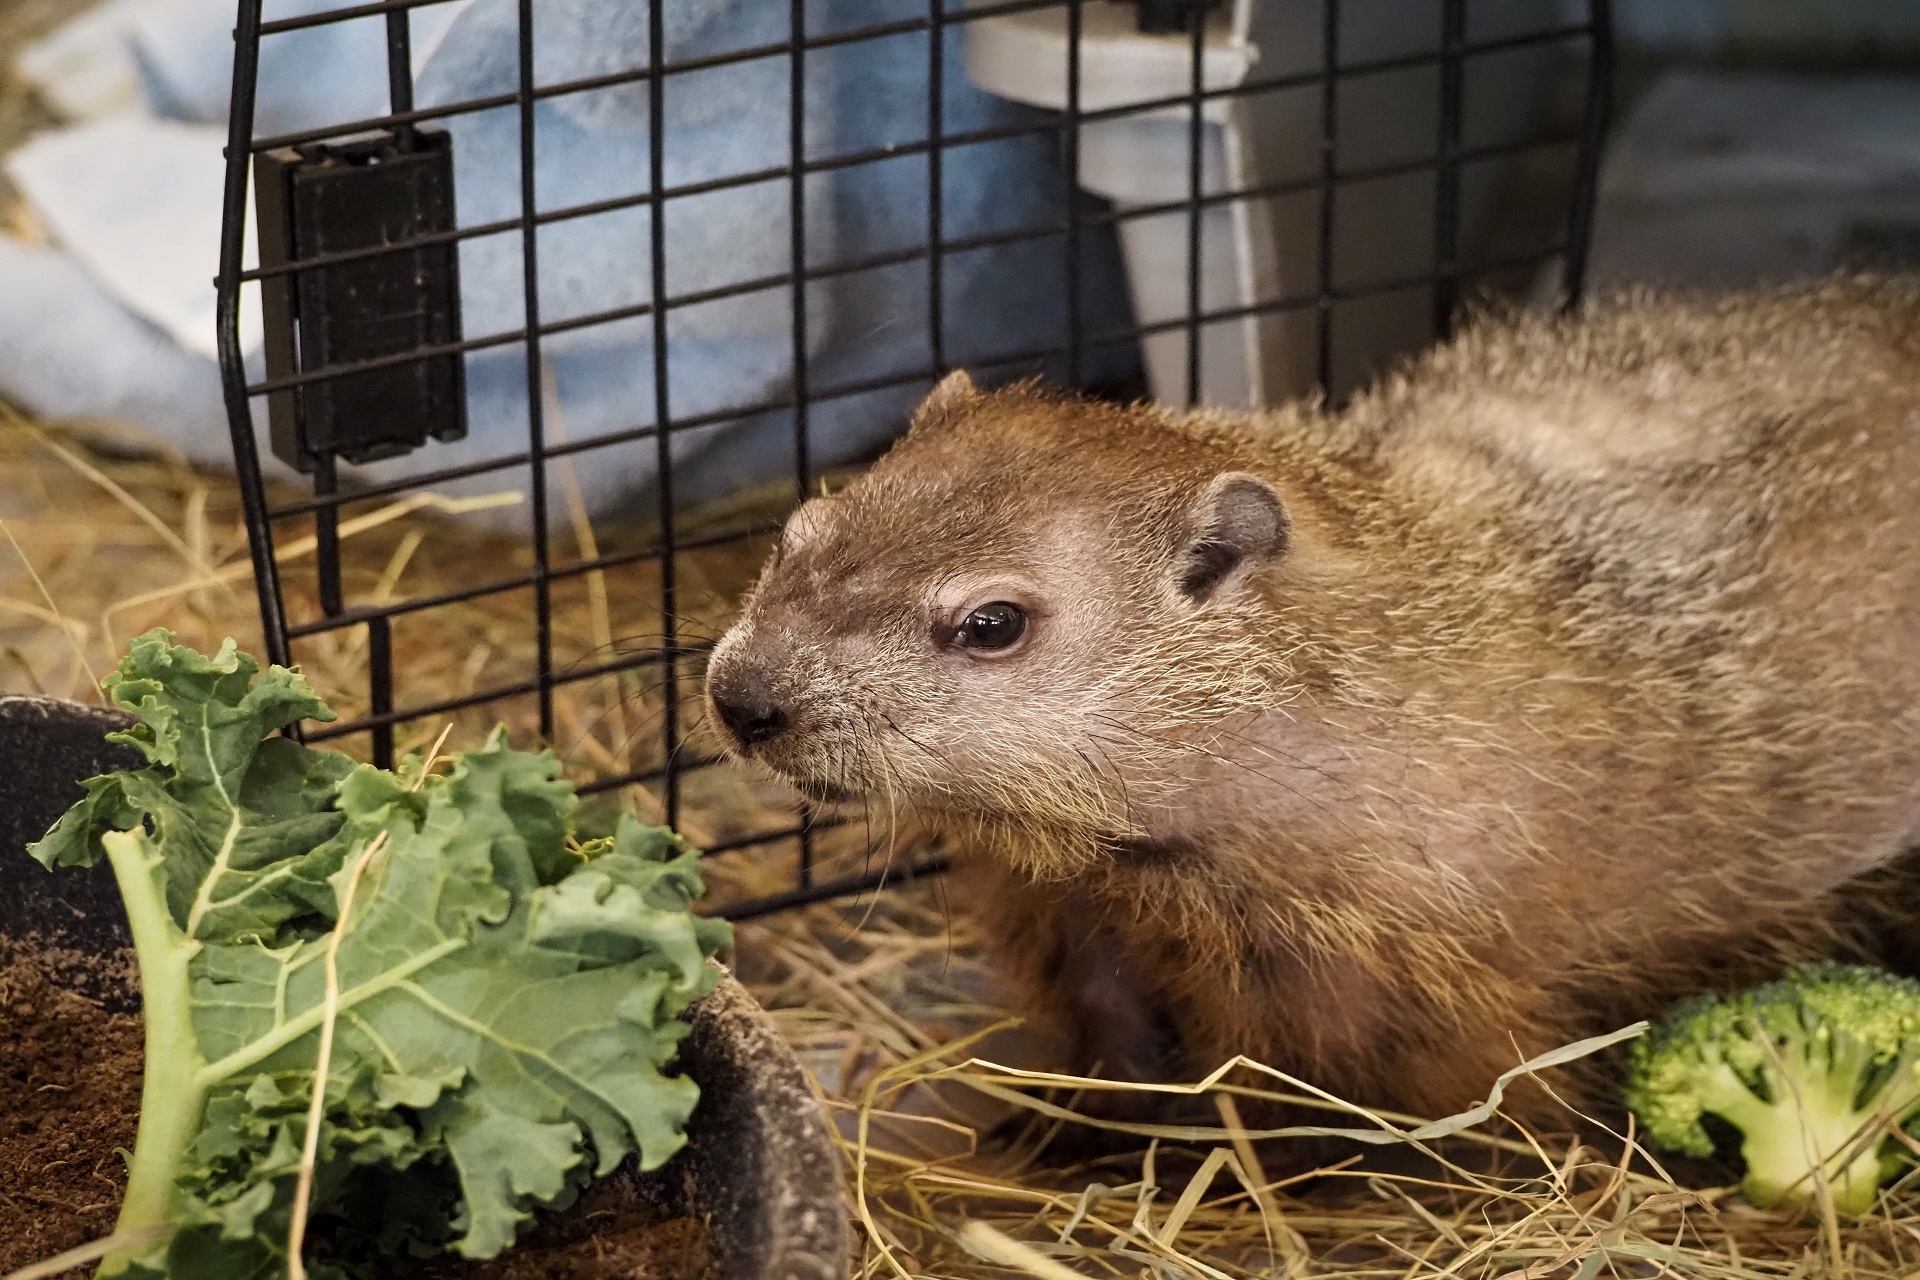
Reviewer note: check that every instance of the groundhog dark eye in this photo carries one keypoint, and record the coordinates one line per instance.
(992, 626)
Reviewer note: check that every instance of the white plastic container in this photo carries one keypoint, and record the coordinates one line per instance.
(1264, 249)
(1143, 160)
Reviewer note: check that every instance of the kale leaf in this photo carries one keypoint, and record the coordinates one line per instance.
(508, 1003)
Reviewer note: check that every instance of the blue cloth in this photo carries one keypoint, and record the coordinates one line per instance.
(724, 122)
(307, 78)
(724, 357)
(68, 349)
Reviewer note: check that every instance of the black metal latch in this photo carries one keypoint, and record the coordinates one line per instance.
(328, 203)
(1166, 17)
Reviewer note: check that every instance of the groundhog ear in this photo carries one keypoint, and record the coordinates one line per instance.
(802, 527)
(1241, 525)
(951, 394)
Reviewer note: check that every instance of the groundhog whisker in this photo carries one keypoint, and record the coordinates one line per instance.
(1287, 759)
(1099, 747)
(648, 725)
(620, 749)
(642, 641)
(1185, 745)
(893, 819)
(923, 748)
(1095, 773)
(870, 841)
(620, 708)
(886, 866)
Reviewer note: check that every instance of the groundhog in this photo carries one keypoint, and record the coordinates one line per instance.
(1572, 669)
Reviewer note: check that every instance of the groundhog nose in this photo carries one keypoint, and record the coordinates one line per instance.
(747, 707)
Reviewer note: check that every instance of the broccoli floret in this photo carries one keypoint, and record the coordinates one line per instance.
(1816, 1071)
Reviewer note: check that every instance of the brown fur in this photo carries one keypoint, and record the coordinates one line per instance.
(1588, 676)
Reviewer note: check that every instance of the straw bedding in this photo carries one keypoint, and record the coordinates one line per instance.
(21, 112)
(889, 1001)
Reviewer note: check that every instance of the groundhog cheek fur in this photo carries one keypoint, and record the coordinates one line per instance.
(1572, 670)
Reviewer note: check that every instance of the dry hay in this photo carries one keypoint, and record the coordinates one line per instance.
(888, 1001)
(22, 114)
(109, 543)
(960, 1166)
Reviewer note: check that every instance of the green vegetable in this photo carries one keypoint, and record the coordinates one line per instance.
(507, 1003)
(1817, 1071)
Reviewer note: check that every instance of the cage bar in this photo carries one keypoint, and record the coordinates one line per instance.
(667, 658)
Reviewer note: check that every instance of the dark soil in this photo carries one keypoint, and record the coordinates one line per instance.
(69, 1095)
(70, 1071)
(609, 1234)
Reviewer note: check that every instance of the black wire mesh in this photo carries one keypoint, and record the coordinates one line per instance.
(1322, 72)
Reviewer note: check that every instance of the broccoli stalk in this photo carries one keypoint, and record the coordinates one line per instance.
(1816, 1071)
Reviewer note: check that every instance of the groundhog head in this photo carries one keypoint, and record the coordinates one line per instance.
(1026, 613)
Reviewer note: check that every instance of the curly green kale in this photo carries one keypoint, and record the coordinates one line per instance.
(1817, 1071)
(508, 1004)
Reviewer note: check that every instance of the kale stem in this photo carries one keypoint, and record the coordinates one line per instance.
(295, 1027)
(171, 1096)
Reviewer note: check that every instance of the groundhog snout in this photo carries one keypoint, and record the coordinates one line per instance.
(747, 704)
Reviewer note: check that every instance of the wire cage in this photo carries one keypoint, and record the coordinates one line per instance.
(761, 231)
